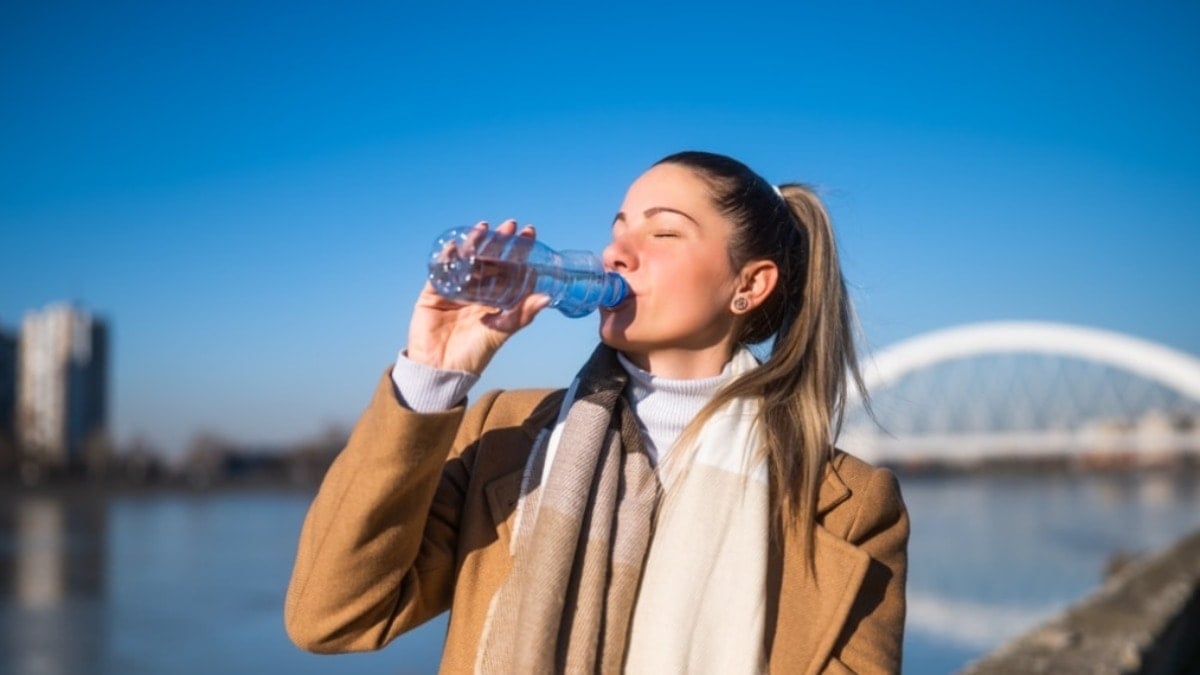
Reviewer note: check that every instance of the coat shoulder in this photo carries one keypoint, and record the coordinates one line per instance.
(854, 472)
(500, 428)
(532, 408)
(858, 493)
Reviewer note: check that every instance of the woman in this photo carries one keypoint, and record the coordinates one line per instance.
(679, 508)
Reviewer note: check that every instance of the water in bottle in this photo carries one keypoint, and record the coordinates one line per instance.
(488, 268)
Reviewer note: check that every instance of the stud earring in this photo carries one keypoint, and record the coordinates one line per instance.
(741, 304)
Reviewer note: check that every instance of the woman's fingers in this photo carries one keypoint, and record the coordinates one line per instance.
(518, 317)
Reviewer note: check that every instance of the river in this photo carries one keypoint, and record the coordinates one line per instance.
(180, 582)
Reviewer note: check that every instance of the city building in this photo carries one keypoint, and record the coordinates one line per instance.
(62, 387)
(8, 399)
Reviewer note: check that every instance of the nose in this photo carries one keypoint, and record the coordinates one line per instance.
(619, 256)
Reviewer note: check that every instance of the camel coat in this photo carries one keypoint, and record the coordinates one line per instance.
(415, 514)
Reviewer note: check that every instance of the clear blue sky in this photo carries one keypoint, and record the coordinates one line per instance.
(247, 190)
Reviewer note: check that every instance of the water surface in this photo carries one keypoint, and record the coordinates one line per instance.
(194, 583)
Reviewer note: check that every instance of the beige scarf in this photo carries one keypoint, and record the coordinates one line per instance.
(596, 586)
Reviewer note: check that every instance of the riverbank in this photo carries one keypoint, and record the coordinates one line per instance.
(1143, 619)
(284, 475)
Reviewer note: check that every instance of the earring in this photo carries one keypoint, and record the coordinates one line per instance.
(741, 304)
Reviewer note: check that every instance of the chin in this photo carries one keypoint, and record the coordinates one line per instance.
(622, 332)
(621, 343)
(614, 339)
(613, 328)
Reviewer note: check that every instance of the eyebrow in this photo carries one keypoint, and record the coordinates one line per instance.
(655, 210)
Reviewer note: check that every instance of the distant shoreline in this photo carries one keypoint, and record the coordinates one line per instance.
(1187, 467)
(84, 486)
(1185, 463)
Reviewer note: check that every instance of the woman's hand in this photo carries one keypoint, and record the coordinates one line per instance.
(455, 336)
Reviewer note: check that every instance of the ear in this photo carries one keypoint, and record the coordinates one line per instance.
(756, 281)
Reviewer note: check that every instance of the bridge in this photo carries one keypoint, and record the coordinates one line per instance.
(1026, 390)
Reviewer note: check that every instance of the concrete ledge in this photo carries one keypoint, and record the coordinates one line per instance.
(1144, 619)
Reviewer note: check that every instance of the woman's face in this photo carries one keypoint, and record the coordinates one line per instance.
(670, 242)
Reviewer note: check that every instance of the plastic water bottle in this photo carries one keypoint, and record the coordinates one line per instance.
(489, 268)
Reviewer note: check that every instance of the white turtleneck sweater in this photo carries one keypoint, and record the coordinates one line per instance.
(663, 406)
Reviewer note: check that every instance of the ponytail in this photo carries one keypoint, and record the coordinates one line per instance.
(802, 385)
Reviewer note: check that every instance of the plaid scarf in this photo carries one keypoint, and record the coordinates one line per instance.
(581, 543)
(611, 572)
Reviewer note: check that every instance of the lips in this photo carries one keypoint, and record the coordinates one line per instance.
(619, 306)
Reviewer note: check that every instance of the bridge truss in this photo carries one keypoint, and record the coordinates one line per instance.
(1025, 389)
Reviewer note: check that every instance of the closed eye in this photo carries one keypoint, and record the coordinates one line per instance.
(666, 234)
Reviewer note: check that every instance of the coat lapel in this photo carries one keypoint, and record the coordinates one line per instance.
(812, 609)
(544, 413)
(503, 490)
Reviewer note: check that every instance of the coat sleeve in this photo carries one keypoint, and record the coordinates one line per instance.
(376, 554)
(872, 639)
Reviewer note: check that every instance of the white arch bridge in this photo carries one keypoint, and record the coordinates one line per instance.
(1026, 390)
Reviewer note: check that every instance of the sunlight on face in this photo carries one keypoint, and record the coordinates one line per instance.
(670, 242)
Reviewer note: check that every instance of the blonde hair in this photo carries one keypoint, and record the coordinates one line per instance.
(808, 318)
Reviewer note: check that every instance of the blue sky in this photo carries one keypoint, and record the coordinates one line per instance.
(247, 192)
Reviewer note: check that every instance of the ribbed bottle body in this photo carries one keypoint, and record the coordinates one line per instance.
(489, 268)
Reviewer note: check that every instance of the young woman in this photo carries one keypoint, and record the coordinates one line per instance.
(680, 507)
